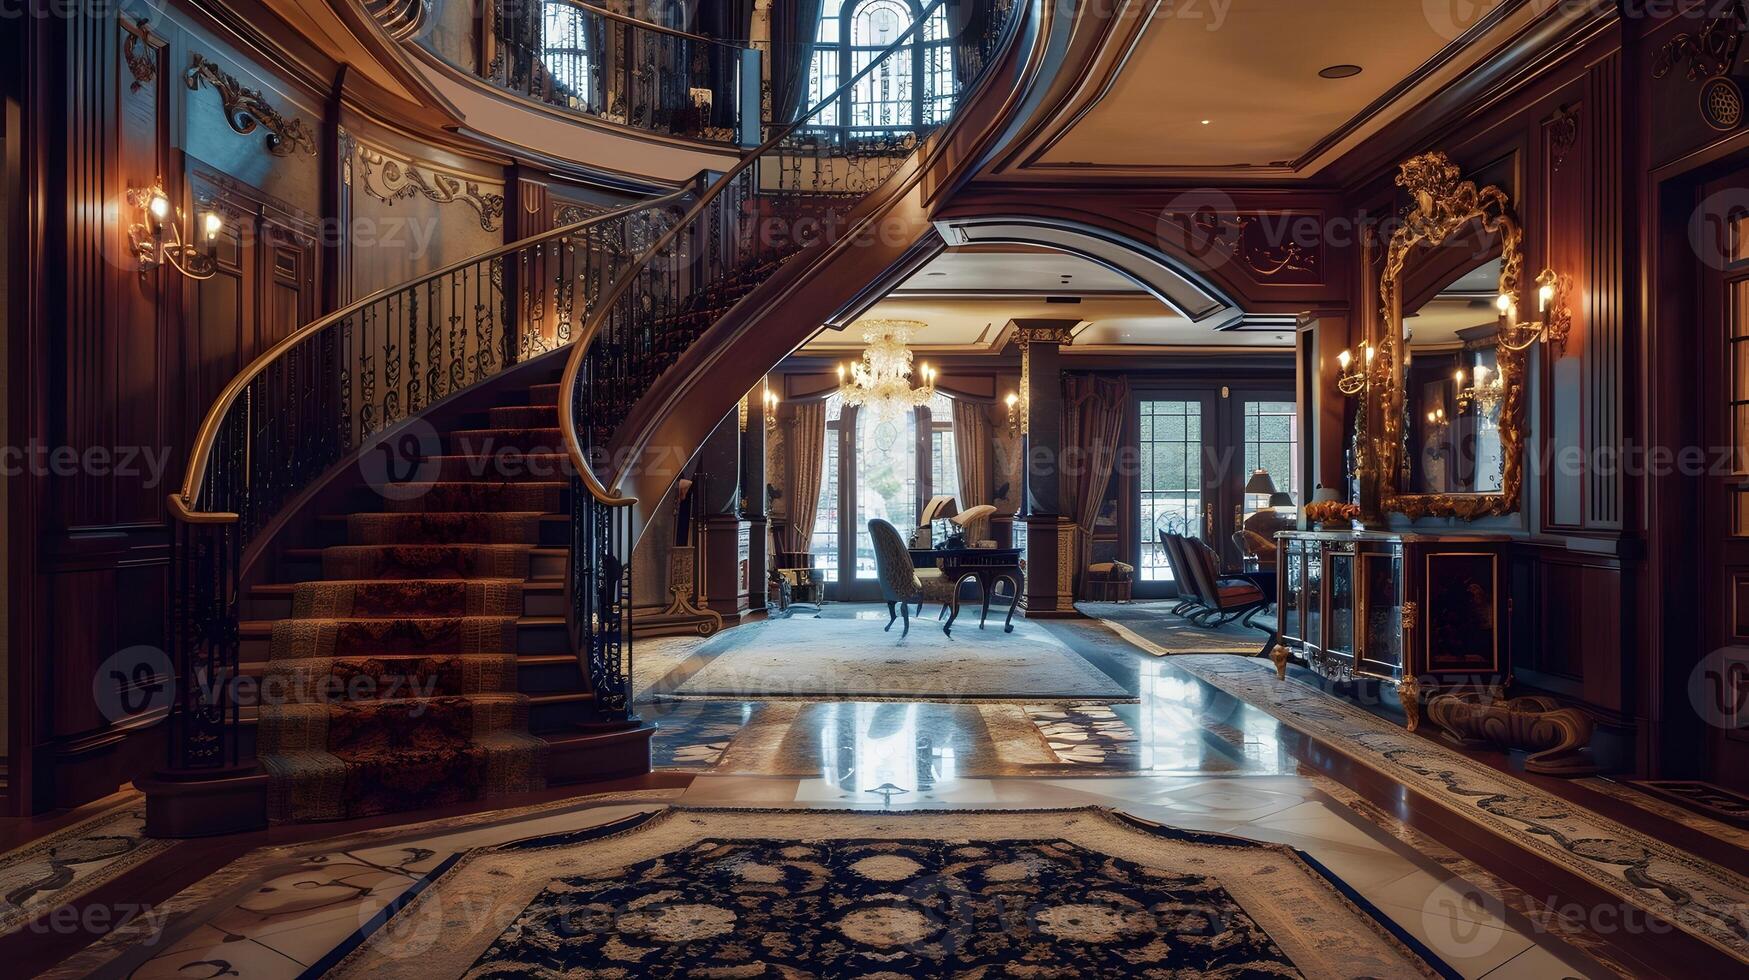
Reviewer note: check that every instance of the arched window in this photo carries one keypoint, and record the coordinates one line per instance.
(911, 90)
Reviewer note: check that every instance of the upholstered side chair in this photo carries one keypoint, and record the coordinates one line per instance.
(902, 583)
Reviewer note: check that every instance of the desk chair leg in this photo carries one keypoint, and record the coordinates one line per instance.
(892, 616)
(905, 608)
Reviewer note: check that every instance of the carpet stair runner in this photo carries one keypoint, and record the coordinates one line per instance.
(397, 676)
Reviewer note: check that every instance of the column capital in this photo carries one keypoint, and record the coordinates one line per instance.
(1059, 332)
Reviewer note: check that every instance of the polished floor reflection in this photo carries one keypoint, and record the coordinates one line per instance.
(1209, 743)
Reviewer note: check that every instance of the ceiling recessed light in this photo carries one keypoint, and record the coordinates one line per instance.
(1340, 71)
(1205, 122)
(938, 273)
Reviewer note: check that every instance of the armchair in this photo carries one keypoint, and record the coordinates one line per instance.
(901, 582)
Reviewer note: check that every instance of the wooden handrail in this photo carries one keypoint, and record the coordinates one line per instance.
(183, 503)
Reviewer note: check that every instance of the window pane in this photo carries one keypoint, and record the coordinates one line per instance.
(824, 542)
(1171, 479)
(565, 53)
(1272, 444)
(886, 480)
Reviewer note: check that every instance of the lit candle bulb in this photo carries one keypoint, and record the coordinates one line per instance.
(1459, 376)
(1012, 399)
(1370, 351)
(211, 224)
(840, 374)
(1343, 359)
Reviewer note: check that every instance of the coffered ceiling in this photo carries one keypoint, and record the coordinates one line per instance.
(1233, 87)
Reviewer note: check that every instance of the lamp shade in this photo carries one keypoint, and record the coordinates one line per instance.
(1260, 484)
(1279, 499)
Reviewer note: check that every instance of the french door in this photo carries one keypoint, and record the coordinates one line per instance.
(1719, 682)
(1195, 450)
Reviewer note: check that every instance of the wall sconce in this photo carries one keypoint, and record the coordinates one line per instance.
(1352, 383)
(1437, 424)
(1554, 316)
(159, 238)
(771, 401)
(1016, 413)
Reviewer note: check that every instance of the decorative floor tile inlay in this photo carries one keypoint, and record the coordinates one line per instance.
(1704, 899)
(830, 893)
(1084, 734)
(69, 863)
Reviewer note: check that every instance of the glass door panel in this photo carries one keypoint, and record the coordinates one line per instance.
(1171, 479)
(886, 480)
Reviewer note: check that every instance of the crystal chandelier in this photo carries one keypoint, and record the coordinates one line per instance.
(881, 381)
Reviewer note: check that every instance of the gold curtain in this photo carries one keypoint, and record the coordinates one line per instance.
(1093, 411)
(808, 453)
(971, 438)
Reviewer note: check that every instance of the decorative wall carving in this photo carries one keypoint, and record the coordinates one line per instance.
(1563, 129)
(142, 64)
(1710, 51)
(1253, 240)
(389, 179)
(247, 109)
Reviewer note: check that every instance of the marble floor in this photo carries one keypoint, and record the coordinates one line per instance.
(1184, 752)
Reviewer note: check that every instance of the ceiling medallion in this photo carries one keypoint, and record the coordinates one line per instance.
(881, 381)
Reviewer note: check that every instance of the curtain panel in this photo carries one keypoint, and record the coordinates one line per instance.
(725, 20)
(794, 25)
(971, 438)
(807, 454)
(1093, 412)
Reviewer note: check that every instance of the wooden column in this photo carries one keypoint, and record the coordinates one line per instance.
(1049, 532)
(753, 503)
(722, 539)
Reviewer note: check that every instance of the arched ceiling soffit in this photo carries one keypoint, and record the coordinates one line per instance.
(1199, 252)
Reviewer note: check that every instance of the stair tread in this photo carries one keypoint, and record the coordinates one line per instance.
(290, 588)
(264, 627)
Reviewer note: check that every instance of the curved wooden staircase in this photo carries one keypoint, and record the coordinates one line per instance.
(427, 626)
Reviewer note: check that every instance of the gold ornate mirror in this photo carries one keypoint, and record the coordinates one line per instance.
(1452, 412)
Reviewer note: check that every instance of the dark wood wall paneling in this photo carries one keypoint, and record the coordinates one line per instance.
(1553, 138)
(132, 362)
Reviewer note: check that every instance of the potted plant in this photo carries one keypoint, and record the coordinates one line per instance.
(1333, 515)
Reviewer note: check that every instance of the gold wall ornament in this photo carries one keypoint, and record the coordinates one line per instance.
(142, 65)
(247, 110)
(390, 179)
(1444, 205)
(1246, 239)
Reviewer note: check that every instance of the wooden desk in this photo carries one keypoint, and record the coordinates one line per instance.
(988, 565)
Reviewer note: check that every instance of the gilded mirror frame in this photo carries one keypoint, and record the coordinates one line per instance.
(1444, 205)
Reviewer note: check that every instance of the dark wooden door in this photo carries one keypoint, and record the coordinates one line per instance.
(1719, 682)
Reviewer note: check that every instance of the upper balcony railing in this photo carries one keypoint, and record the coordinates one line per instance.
(588, 60)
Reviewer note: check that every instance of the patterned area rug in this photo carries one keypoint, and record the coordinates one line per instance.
(57, 869)
(854, 660)
(1155, 623)
(821, 893)
(1701, 898)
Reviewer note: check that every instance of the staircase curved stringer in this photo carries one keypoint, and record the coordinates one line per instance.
(670, 422)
